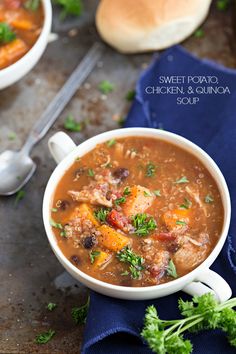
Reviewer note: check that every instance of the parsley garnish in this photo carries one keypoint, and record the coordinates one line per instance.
(120, 201)
(182, 180)
(32, 5)
(157, 193)
(79, 314)
(180, 222)
(135, 262)
(56, 224)
(91, 172)
(111, 142)
(202, 313)
(51, 306)
(54, 210)
(93, 255)
(130, 95)
(44, 337)
(124, 273)
(106, 87)
(71, 125)
(150, 170)
(6, 34)
(101, 214)
(19, 196)
(209, 199)
(171, 270)
(186, 205)
(70, 7)
(127, 191)
(199, 33)
(222, 5)
(143, 224)
(147, 194)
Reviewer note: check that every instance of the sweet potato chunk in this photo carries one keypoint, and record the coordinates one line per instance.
(138, 201)
(111, 239)
(176, 219)
(102, 260)
(12, 51)
(84, 211)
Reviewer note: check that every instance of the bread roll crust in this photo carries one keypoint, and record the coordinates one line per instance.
(142, 25)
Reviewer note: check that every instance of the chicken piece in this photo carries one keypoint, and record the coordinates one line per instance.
(190, 255)
(194, 193)
(94, 194)
(138, 201)
(159, 264)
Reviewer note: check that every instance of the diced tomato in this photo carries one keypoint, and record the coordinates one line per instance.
(164, 236)
(12, 4)
(116, 219)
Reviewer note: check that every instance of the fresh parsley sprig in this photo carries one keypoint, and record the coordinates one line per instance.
(143, 224)
(70, 7)
(79, 314)
(101, 214)
(202, 313)
(44, 337)
(6, 33)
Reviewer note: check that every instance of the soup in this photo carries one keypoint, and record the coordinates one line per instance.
(20, 26)
(137, 212)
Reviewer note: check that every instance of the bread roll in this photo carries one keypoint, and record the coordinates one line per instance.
(143, 25)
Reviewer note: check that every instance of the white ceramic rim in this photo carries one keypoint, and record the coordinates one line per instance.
(89, 145)
(43, 38)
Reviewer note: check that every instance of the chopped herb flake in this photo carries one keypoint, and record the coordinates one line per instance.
(44, 337)
(120, 200)
(56, 224)
(157, 193)
(147, 194)
(135, 262)
(54, 210)
(71, 125)
(91, 172)
(19, 196)
(150, 170)
(106, 87)
(101, 214)
(111, 142)
(93, 255)
(124, 273)
(180, 222)
(79, 314)
(32, 5)
(143, 224)
(209, 199)
(6, 34)
(199, 33)
(186, 205)
(51, 306)
(171, 269)
(182, 180)
(127, 191)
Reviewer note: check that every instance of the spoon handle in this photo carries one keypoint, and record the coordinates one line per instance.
(65, 94)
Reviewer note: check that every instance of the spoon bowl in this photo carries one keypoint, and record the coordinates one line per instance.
(16, 168)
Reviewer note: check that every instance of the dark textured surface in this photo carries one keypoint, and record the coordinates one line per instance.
(30, 275)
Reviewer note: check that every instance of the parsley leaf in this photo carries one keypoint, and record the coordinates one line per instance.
(71, 125)
(135, 262)
(70, 7)
(111, 142)
(32, 5)
(120, 200)
(130, 95)
(79, 314)
(143, 224)
(127, 191)
(91, 172)
(171, 270)
(180, 222)
(157, 193)
(51, 306)
(222, 5)
(199, 33)
(147, 194)
(186, 205)
(44, 337)
(209, 199)
(150, 170)
(19, 196)
(106, 87)
(181, 180)
(101, 214)
(6, 34)
(56, 224)
(93, 255)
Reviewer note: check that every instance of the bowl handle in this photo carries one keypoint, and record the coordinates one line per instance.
(209, 281)
(60, 145)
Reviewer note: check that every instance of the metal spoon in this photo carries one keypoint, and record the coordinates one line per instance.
(16, 167)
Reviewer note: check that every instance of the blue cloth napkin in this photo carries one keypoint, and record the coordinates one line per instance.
(113, 325)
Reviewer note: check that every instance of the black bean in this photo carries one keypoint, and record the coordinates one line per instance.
(121, 173)
(89, 241)
(75, 259)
